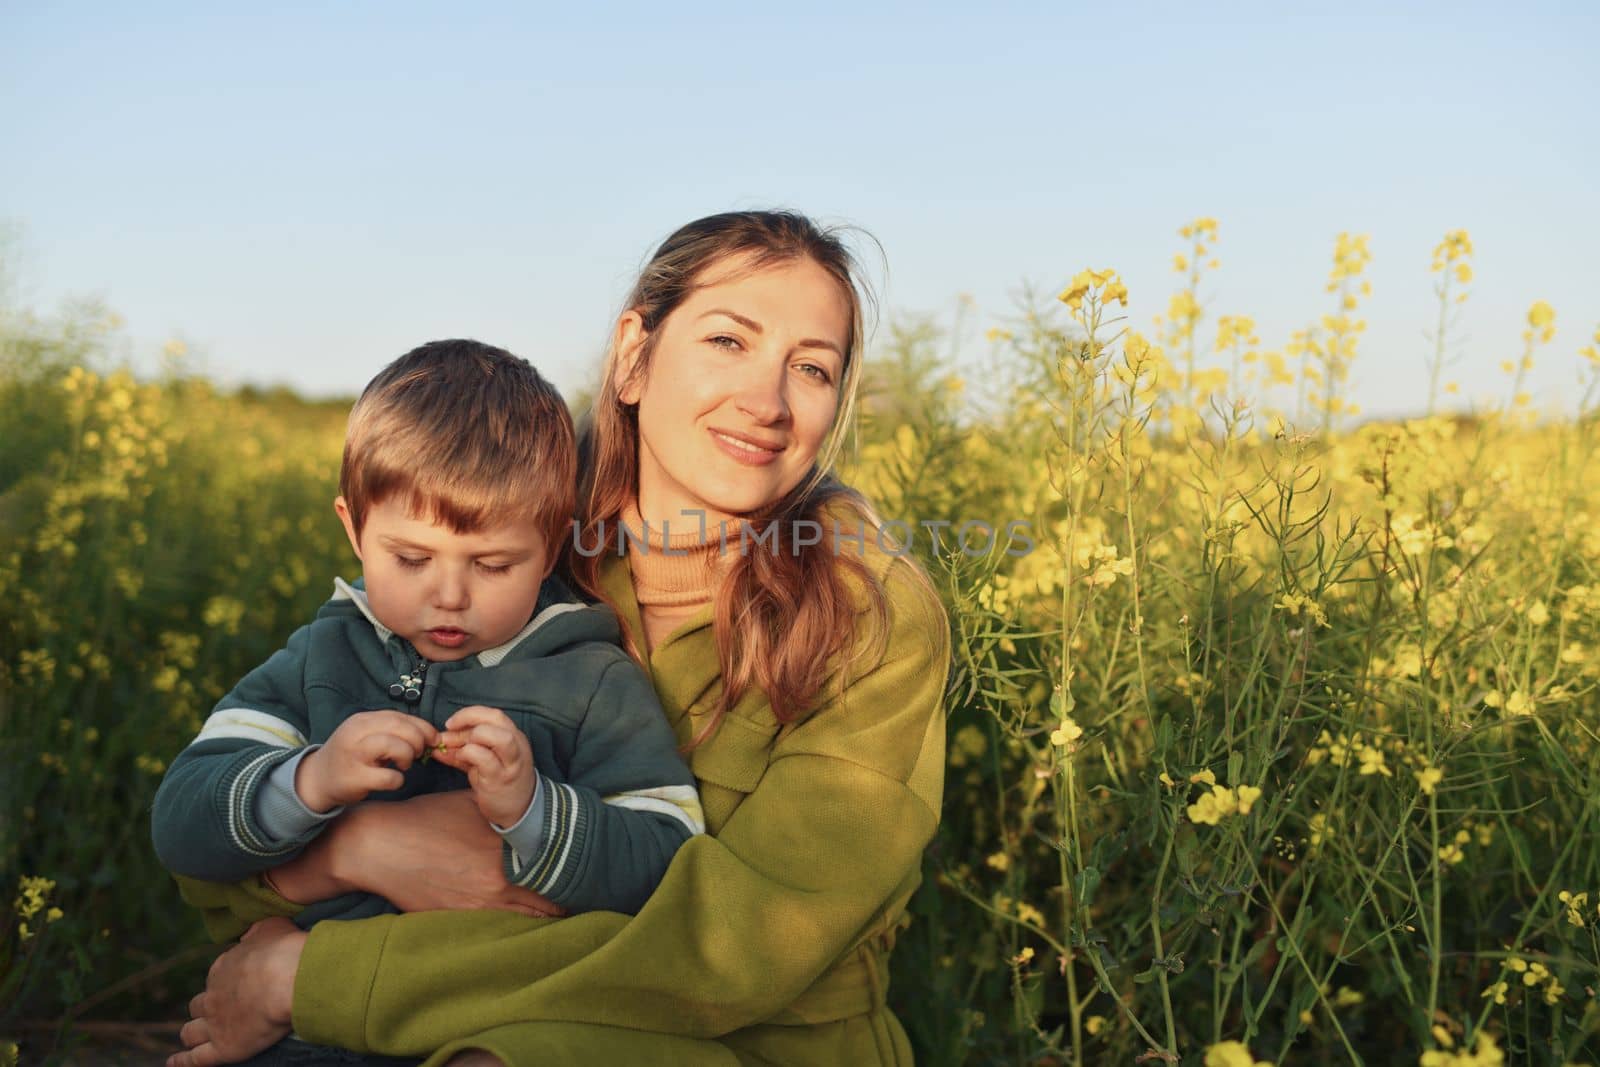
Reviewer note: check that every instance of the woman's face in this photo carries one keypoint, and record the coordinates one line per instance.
(741, 389)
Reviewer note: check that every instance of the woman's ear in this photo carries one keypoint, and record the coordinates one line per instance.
(343, 511)
(628, 343)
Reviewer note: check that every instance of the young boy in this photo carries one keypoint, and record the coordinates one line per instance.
(459, 662)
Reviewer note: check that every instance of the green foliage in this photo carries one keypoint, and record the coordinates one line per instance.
(156, 541)
(1391, 635)
(1271, 739)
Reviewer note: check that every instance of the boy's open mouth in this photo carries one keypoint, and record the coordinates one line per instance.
(447, 636)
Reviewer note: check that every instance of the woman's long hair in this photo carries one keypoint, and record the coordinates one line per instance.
(783, 619)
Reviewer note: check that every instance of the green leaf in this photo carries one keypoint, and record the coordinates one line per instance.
(1163, 742)
(1088, 881)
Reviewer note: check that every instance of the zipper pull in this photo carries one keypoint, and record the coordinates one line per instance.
(409, 687)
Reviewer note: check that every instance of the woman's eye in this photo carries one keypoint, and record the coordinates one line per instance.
(724, 341)
(494, 568)
(411, 563)
(814, 371)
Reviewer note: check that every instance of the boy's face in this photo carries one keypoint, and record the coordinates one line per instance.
(450, 594)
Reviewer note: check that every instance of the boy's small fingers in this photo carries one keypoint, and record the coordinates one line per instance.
(501, 740)
(478, 760)
(387, 747)
(416, 734)
(474, 715)
(466, 756)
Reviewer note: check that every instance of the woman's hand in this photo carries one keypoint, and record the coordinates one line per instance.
(247, 1000)
(429, 852)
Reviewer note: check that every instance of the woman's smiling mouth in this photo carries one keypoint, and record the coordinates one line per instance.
(745, 450)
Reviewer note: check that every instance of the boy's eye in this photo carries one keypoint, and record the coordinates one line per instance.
(411, 563)
(494, 568)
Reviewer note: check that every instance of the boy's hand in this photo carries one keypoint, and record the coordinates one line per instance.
(366, 753)
(497, 758)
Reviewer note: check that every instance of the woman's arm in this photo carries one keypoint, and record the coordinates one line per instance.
(421, 854)
(429, 852)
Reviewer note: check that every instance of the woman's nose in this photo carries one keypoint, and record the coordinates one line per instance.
(763, 396)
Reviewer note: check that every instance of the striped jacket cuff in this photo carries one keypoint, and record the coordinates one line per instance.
(551, 870)
(237, 794)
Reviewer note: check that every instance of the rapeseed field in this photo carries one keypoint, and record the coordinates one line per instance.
(1273, 731)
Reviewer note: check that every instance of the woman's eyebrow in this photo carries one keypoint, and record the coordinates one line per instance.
(755, 327)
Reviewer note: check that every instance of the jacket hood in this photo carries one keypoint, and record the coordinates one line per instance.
(560, 618)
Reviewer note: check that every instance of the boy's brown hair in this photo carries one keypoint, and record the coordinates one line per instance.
(470, 433)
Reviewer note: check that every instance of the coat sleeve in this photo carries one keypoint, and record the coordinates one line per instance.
(204, 823)
(228, 908)
(630, 801)
(742, 924)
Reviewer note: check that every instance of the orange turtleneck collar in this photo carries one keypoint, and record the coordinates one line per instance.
(669, 588)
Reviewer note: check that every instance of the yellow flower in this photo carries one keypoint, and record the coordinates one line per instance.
(1428, 778)
(1300, 604)
(1029, 914)
(1023, 958)
(1094, 1024)
(1497, 991)
(1538, 613)
(1519, 703)
(1542, 320)
(1372, 761)
(968, 744)
(1204, 777)
(1232, 1054)
(999, 861)
(1486, 1054)
(32, 895)
(1248, 795)
(1086, 280)
(1068, 732)
(1214, 806)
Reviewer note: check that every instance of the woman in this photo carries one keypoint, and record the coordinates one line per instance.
(804, 675)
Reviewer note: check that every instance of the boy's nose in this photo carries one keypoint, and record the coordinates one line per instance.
(451, 593)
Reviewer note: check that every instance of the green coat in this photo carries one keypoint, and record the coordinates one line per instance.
(767, 940)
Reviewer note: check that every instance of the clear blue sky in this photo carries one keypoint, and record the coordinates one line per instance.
(303, 191)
